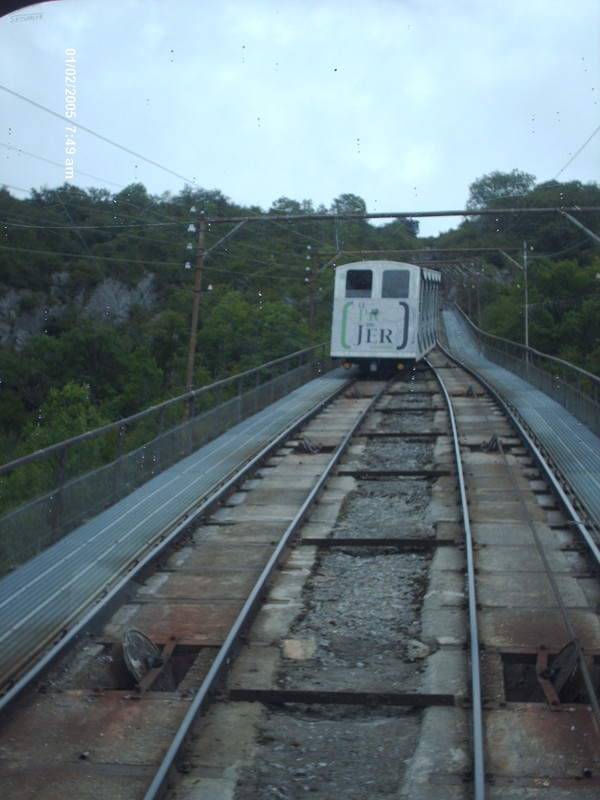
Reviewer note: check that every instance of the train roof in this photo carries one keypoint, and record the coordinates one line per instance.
(428, 273)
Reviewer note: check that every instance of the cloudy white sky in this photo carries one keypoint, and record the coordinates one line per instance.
(402, 102)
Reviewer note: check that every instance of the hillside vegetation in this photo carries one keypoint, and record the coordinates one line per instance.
(96, 300)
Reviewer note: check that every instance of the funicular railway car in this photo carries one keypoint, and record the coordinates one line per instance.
(384, 314)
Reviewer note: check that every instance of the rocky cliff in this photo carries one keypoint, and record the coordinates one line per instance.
(25, 313)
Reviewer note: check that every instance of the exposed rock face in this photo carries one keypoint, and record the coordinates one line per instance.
(113, 300)
(25, 313)
(16, 324)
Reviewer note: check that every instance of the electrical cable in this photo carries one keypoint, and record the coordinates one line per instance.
(128, 203)
(143, 262)
(99, 136)
(79, 255)
(56, 164)
(574, 156)
(80, 236)
(89, 227)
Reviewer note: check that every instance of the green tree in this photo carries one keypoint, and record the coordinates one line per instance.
(281, 330)
(505, 317)
(228, 336)
(349, 204)
(142, 384)
(285, 206)
(497, 187)
(66, 413)
(167, 337)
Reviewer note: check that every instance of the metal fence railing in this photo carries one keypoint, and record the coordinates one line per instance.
(575, 389)
(72, 481)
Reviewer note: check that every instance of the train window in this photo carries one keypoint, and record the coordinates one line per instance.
(395, 283)
(359, 283)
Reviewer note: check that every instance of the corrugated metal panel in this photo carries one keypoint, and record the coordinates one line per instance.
(39, 598)
(567, 441)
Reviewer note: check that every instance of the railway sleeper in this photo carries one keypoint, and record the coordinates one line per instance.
(361, 698)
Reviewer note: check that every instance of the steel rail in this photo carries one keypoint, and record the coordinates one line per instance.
(478, 757)
(231, 644)
(189, 518)
(512, 414)
(568, 507)
(587, 679)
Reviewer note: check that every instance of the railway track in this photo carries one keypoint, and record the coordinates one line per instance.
(319, 632)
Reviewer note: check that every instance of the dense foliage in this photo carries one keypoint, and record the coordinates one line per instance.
(77, 330)
(563, 264)
(71, 359)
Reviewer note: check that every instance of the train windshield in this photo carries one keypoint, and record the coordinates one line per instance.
(359, 283)
(395, 283)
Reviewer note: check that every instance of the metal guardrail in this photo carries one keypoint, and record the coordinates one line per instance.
(573, 388)
(76, 479)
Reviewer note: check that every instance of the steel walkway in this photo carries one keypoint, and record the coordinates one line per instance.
(44, 595)
(568, 442)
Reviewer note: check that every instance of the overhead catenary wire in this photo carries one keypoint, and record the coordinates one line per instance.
(56, 193)
(90, 227)
(482, 212)
(82, 240)
(287, 217)
(20, 150)
(173, 221)
(574, 156)
(118, 229)
(281, 221)
(100, 136)
(145, 262)
(264, 262)
(80, 255)
(308, 217)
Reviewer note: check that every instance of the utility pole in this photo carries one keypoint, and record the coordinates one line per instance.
(197, 287)
(478, 301)
(313, 287)
(202, 254)
(313, 284)
(526, 304)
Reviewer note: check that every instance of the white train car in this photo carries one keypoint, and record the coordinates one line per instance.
(384, 314)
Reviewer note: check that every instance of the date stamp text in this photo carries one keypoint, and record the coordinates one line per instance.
(70, 111)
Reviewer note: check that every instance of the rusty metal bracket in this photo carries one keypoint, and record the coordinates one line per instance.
(146, 663)
(492, 446)
(307, 446)
(151, 676)
(563, 674)
(541, 669)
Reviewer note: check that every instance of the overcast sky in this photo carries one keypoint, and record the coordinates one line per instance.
(402, 102)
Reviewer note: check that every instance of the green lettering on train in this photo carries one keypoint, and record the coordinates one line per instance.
(345, 344)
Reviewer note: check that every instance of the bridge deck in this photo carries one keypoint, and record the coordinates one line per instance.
(46, 592)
